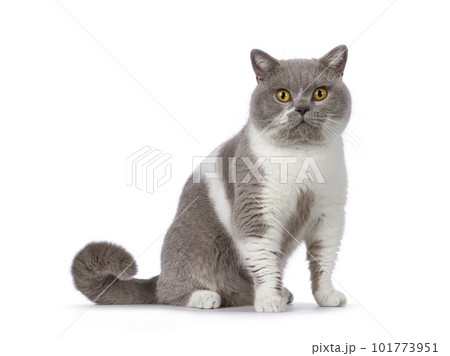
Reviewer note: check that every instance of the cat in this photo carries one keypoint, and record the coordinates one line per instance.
(233, 232)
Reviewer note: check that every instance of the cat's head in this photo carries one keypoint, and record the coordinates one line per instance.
(300, 100)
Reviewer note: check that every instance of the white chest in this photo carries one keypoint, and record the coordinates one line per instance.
(291, 172)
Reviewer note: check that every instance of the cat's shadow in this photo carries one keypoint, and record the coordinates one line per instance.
(291, 308)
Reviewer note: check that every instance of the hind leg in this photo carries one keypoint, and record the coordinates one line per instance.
(204, 299)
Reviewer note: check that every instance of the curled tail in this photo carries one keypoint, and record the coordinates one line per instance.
(104, 272)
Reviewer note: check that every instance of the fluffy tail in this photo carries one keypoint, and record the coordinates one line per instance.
(103, 272)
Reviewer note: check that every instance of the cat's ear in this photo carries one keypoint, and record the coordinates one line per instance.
(335, 60)
(262, 64)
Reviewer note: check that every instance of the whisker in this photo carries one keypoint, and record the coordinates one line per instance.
(347, 137)
(329, 128)
(349, 132)
(323, 126)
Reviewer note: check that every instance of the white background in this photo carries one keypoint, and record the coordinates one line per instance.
(73, 107)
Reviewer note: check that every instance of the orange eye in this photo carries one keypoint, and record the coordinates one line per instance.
(320, 94)
(283, 95)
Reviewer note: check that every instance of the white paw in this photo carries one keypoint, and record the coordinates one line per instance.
(204, 299)
(288, 296)
(332, 298)
(270, 304)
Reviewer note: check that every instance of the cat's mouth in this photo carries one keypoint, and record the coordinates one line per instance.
(303, 122)
(301, 131)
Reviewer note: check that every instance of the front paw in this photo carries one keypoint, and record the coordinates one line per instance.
(331, 298)
(270, 304)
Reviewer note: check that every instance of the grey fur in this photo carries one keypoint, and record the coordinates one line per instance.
(297, 220)
(95, 269)
(315, 268)
(300, 78)
(198, 252)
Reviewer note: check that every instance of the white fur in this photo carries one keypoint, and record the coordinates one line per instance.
(218, 196)
(220, 201)
(329, 200)
(283, 117)
(269, 302)
(330, 196)
(280, 201)
(330, 298)
(204, 299)
(267, 298)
